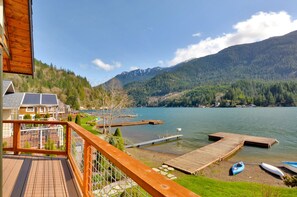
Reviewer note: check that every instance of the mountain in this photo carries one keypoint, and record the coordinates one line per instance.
(269, 60)
(70, 88)
(137, 75)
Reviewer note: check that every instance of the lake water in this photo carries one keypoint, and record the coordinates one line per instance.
(197, 123)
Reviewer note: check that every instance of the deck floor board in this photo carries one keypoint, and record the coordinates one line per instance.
(227, 145)
(37, 176)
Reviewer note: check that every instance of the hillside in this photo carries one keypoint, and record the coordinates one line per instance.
(70, 88)
(138, 75)
(274, 59)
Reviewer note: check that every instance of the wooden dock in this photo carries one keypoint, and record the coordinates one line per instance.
(163, 139)
(124, 124)
(227, 145)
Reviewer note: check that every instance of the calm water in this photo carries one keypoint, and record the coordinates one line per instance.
(197, 123)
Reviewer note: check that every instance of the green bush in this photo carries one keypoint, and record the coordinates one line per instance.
(291, 181)
(117, 140)
(91, 123)
(27, 145)
(69, 118)
(27, 117)
(4, 145)
(50, 145)
(47, 115)
(78, 119)
(37, 116)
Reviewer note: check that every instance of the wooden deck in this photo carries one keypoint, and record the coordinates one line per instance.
(227, 145)
(37, 176)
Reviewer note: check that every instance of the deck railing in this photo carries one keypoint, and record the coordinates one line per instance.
(100, 169)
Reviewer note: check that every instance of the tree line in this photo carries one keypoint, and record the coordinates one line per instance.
(243, 92)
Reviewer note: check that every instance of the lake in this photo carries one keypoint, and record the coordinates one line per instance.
(197, 123)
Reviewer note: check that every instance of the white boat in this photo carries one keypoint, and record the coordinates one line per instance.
(272, 169)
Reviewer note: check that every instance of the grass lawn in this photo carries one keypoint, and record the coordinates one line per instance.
(204, 186)
(88, 127)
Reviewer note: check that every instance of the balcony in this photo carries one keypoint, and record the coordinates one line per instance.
(54, 158)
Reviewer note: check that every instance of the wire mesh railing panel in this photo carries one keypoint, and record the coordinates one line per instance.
(108, 180)
(77, 151)
(42, 136)
(7, 135)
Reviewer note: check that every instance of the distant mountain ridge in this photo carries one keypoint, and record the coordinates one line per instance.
(271, 59)
(136, 75)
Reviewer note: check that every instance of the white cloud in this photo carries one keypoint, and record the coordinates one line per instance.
(197, 34)
(107, 67)
(259, 27)
(133, 68)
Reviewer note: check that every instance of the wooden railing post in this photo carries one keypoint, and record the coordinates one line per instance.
(16, 137)
(68, 140)
(87, 169)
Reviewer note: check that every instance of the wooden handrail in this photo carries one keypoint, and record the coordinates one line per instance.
(152, 182)
(35, 122)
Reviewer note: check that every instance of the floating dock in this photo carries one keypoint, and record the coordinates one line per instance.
(228, 144)
(124, 124)
(163, 139)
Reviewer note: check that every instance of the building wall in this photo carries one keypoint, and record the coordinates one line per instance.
(38, 110)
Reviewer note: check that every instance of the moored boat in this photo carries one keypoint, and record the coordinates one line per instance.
(291, 165)
(272, 169)
(237, 168)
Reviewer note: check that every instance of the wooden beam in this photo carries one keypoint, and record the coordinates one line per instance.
(41, 151)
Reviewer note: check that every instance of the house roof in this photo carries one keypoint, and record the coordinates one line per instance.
(13, 101)
(37, 99)
(7, 87)
(18, 40)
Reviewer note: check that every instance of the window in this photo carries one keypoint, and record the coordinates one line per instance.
(51, 109)
(30, 109)
(42, 109)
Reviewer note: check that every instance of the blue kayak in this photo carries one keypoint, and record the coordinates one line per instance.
(237, 168)
(291, 165)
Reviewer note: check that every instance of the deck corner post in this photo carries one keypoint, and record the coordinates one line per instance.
(68, 140)
(1, 114)
(87, 169)
(16, 137)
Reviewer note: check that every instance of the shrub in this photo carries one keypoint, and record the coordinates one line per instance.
(47, 115)
(69, 118)
(117, 140)
(27, 117)
(291, 181)
(37, 116)
(77, 119)
(50, 145)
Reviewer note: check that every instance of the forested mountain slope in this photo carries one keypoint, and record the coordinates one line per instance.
(70, 88)
(274, 59)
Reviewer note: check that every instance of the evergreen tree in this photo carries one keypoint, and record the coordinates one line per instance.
(77, 119)
(117, 140)
(69, 118)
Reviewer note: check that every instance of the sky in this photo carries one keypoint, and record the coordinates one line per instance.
(99, 39)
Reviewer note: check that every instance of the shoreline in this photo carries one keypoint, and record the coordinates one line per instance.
(219, 171)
